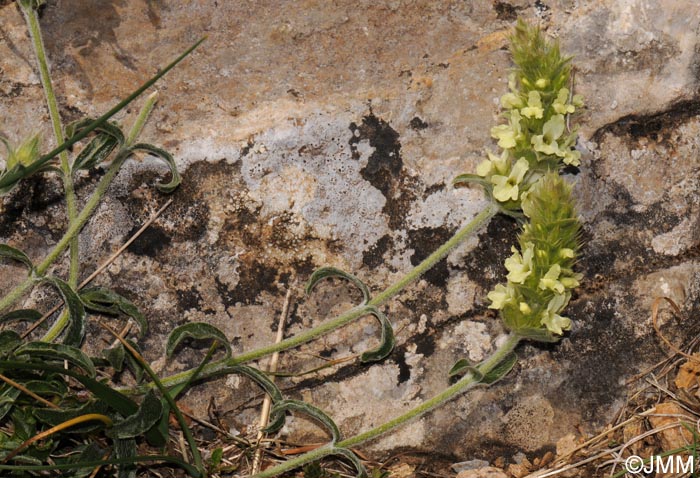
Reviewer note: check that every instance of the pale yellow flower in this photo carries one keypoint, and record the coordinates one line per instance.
(507, 187)
(501, 295)
(520, 266)
(534, 106)
(508, 134)
(547, 141)
(551, 280)
(551, 319)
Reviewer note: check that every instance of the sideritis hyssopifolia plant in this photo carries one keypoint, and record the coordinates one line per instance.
(522, 181)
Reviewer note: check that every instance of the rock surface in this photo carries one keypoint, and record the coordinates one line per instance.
(314, 134)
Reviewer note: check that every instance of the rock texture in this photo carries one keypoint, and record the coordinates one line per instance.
(314, 133)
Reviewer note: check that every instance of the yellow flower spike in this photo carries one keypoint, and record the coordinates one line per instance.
(507, 187)
(534, 106)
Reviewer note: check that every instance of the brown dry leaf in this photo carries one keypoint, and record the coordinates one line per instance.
(487, 472)
(689, 373)
(566, 444)
(677, 436)
(519, 470)
(630, 432)
(401, 470)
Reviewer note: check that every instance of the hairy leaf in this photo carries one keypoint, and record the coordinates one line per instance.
(100, 299)
(352, 458)
(15, 254)
(500, 370)
(165, 156)
(326, 272)
(198, 331)
(76, 326)
(309, 410)
(387, 340)
(9, 341)
(148, 414)
(58, 352)
(462, 366)
(30, 315)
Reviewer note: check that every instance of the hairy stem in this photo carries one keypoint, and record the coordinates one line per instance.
(32, 19)
(121, 156)
(220, 367)
(466, 382)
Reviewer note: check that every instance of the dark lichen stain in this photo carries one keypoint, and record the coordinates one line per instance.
(373, 257)
(418, 124)
(384, 169)
(254, 278)
(404, 368)
(484, 264)
(432, 189)
(385, 163)
(37, 194)
(424, 241)
(655, 126)
(505, 11)
(150, 242)
(189, 299)
(602, 358)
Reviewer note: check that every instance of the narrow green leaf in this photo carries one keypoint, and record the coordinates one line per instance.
(54, 416)
(125, 449)
(352, 458)
(116, 400)
(309, 410)
(76, 326)
(11, 177)
(96, 151)
(29, 315)
(8, 397)
(463, 366)
(15, 254)
(135, 425)
(197, 331)
(326, 272)
(500, 370)
(165, 156)
(9, 341)
(387, 340)
(59, 352)
(91, 452)
(115, 356)
(101, 299)
(463, 179)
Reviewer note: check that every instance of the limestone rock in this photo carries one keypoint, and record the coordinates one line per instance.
(316, 133)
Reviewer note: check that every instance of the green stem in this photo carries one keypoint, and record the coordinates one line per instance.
(466, 382)
(121, 156)
(17, 173)
(71, 202)
(219, 367)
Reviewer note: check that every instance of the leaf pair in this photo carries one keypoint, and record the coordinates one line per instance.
(108, 137)
(387, 340)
